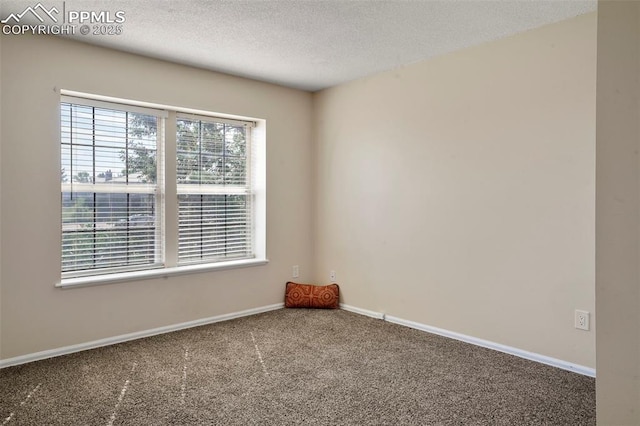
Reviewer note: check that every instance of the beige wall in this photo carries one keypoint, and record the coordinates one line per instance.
(618, 213)
(0, 202)
(35, 315)
(459, 192)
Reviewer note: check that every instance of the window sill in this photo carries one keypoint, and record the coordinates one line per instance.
(157, 273)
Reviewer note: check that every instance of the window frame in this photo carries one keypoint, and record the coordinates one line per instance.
(168, 193)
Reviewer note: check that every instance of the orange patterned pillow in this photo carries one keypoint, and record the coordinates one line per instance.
(311, 296)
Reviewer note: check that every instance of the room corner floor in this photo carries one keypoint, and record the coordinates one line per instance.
(285, 367)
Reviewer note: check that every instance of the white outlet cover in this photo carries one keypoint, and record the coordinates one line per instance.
(582, 320)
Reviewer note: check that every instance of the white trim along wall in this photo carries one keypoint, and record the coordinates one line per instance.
(376, 315)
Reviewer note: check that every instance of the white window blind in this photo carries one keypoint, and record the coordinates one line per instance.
(111, 188)
(214, 189)
(121, 217)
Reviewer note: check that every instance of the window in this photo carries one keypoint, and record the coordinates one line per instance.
(120, 212)
(110, 194)
(214, 191)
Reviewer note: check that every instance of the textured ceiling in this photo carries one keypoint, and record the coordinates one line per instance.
(309, 45)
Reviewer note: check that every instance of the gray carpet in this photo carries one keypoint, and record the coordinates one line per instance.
(289, 367)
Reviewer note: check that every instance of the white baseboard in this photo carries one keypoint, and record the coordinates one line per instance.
(37, 356)
(532, 356)
(543, 359)
(372, 314)
(554, 362)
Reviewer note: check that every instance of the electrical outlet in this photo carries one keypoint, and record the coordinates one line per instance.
(332, 276)
(582, 320)
(295, 271)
